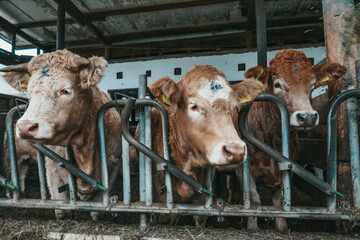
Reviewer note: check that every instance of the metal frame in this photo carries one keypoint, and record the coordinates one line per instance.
(209, 208)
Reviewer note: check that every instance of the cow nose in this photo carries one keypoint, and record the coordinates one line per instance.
(27, 129)
(307, 118)
(234, 153)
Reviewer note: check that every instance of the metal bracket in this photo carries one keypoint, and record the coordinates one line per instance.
(285, 166)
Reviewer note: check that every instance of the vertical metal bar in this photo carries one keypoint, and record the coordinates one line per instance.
(13, 44)
(209, 186)
(246, 183)
(60, 34)
(285, 139)
(261, 40)
(352, 104)
(126, 171)
(141, 94)
(42, 177)
(72, 185)
(148, 162)
(102, 154)
(12, 152)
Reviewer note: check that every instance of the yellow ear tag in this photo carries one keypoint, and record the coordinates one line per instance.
(245, 99)
(259, 81)
(324, 79)
(24, 85)
(166, 100)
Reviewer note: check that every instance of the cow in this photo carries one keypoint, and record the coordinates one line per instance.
(291, 77)
(25, 156)
(64, 101)
(202, 133)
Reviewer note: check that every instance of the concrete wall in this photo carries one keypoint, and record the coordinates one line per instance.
(165, 67)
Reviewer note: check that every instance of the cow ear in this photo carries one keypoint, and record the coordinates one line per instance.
(166, 92)
(259, 73)
(92, 72)
(247, 90)
(329, 73)
(17, 76)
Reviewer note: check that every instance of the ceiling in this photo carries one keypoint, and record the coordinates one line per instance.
(125, 30)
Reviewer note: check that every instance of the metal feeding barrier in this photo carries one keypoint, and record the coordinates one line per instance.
(145, 205)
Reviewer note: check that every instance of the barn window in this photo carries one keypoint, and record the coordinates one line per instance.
(148, 73)
(241, 67)
(177, 71)
(119, 75)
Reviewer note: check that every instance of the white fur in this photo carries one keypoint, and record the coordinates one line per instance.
(216, 156)
(210, 95)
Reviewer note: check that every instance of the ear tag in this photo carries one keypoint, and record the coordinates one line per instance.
(166, 100)
(259, 81)
(324, 79)
(245, 99)
(24, 85)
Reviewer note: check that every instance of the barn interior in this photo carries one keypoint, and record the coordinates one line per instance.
(135, 30)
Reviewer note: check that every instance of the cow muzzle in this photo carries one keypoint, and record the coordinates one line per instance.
(304, 119)
(27, 129)
(234, 153)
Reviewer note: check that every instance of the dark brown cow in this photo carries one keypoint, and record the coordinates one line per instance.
(64, 101)
(200, 109)
(290, 77)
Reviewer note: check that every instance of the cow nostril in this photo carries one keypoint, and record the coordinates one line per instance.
(227, 151)
(34, 127)
(314, 117)
(233, 152)
(301, 117)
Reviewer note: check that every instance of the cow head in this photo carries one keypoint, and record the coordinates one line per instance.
(291, 77)
(58, 85)
(200, 110)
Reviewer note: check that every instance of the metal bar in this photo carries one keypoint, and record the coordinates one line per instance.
(72, 185)
(13, 44)
(148, 163)
(60, 33)
(42, 176)
(12, 149)
(184, 209)
(294, 167)
(332, 143)
(68, 166)
(246, 183)
(142, 176)
(130, 103)
(126, 171)
(209, 186)
(354, 144)
(6, 183)
(261, 40)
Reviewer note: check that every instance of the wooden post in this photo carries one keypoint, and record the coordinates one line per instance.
(342, 49)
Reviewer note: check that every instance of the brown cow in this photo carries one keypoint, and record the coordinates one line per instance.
(64, 101)
(25, 157)
(200, 109)
(290, 77)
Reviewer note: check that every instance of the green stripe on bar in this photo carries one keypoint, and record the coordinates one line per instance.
(9, 185)
(336, 192)
(102, 187)
(207, 191)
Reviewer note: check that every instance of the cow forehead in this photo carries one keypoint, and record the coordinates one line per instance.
(214, 89)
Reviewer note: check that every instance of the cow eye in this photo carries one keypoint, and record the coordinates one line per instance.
(277, 85)
(65, 91)
(195, 108)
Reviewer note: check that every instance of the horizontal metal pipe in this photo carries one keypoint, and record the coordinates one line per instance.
(68, 166)
(184, 209)
(294, 167)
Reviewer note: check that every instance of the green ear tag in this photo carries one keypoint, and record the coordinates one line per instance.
(166, 100)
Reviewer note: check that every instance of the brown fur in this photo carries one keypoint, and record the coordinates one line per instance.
(264, 117)
(188, 143)
(73, 122)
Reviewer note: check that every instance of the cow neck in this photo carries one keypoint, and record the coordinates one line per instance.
(85, 139)
(178, 151)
